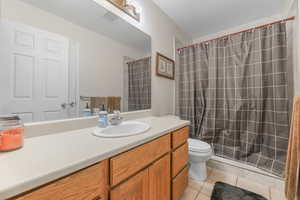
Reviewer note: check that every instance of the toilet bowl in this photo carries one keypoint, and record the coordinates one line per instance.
(199, 153)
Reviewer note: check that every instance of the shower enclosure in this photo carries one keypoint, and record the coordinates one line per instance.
(236, 92)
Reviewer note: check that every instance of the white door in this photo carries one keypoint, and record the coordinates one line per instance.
(34, 73)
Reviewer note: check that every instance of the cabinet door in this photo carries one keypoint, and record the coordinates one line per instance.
(179, 184)
(135, 188)
(160, 178)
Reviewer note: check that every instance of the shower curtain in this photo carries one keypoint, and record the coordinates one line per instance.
(139, 84)
(235, 93)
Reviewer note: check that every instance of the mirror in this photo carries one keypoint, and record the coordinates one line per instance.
(63, 58)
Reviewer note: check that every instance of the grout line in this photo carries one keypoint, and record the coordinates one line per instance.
(270, 197)
(236, 181)
(197, 195)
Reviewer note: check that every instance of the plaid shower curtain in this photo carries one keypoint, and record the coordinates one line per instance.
(139, 84)
(234, 92)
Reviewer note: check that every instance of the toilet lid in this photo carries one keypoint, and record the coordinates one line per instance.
(198, 145)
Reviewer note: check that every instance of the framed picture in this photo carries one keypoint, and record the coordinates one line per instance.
(165, 66)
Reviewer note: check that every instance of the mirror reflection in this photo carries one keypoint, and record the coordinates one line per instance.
(64, 60)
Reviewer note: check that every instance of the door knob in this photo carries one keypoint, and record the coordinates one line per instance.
(63, 105)
(72, 104)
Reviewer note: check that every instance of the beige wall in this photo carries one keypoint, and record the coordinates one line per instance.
(239, 28)
(292, 9)
(162, 31)
(101, 58)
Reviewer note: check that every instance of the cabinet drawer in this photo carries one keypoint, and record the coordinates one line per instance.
(180, 158)
(128, 163)
(179, 184)
(179, 137)
(88, 184)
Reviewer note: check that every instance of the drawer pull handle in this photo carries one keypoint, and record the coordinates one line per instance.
(97, 198)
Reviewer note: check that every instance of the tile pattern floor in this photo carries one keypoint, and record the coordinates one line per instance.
(202, 190)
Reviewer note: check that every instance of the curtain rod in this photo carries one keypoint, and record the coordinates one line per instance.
(228, 35)
(139, 60)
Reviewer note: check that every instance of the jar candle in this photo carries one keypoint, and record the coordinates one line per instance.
(11, 133)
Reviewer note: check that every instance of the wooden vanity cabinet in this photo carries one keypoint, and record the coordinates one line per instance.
(166, 178)
(156, 170)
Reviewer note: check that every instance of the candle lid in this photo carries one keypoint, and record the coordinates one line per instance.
(9, 118)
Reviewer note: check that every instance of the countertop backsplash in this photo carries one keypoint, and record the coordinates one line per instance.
(53, 127)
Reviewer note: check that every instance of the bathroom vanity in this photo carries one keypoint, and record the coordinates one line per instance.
(150, 166)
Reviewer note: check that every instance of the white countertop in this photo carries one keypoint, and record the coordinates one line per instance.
(46, 158)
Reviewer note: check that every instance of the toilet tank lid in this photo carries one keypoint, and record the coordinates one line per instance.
(198, 145)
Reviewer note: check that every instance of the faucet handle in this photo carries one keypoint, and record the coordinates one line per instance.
(116, 119)
(117, 112)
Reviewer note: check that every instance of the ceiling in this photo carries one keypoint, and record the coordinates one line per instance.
(204, 17)
(89, 14)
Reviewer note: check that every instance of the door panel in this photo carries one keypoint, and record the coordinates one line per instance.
(136, 188)
(18, 60)
(34, 72)
(51, 77)
(24, 39)
(54, 75)
(160, 178)
(23, 72)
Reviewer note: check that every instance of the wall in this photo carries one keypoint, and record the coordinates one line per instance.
(163, 32)
(101, 68)
(239, 28)
(288, 6)
(292, 9)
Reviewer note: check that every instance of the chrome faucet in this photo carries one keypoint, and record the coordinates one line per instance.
(115, 118)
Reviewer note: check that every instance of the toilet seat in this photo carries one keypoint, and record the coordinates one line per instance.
(199, 146)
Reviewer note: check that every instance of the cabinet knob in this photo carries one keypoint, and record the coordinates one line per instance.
(97, 198)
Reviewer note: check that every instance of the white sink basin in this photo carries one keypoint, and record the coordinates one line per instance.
(126, 128)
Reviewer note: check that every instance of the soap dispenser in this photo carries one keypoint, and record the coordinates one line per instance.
(103, 118)
(87, 111)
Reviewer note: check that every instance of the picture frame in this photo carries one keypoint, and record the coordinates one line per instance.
(165, 67)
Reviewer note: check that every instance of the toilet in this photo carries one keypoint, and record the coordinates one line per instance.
(199, 153)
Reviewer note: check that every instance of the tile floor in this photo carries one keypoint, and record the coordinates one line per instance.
(203, 190)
